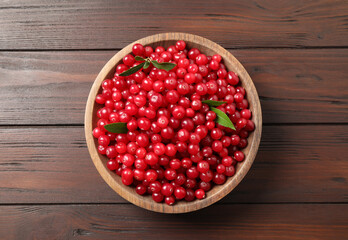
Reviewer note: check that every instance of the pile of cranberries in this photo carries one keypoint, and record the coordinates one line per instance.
(174, 149)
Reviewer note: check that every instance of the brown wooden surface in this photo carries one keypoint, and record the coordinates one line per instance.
(106, 24)
(297, 188)
(42, 87)
(124, 221)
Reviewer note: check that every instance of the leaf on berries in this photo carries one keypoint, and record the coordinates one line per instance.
(132, 70)
(138, 58)
(146, 65)
(165, 66)
(212, 103)
(222, 118)
(119, 127)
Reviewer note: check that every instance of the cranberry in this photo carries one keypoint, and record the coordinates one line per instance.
(128, 60)
(205, 186)
(104, 140)
(186, 163)
(200, 194)
(239, 156)
(170, 150)
(138, 49)
(159, 149)
(219, 178)
(178, 112)
(180, 192)
(203, 166)
(216, 133)
(175, 164)
(148, 51)
(250, 126)
(207, 176)
(167, 133)
(167, 189)
(201, 59)
(190, 195)
(112, 164)
(140, 189)
(180, 45)
(157, 197)
(170, 174)
(127, 176)
(151, 175)
(190, 183)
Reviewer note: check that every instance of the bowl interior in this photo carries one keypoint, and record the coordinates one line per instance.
(218, 191)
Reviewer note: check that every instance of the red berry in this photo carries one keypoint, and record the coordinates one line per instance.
(193, 53)
(170, 174)
(190, 195)
(162, 121)
(112, 164)
(172, 96)
(138, 49)
(201, 59)
(157, 197)
(190, 78)
(127, 176)
(144, 123)
(169, 200)
(167, 189)
(180, 45)
(180, 192)
(140, 189)
(239, 156)
(230, 171)
(128, 60)
(207, 176)
(170, 150)
(151, 175)
(159, 149)
(200, 194)
(178, 112)
(203, 166)
(167, 133)
(151, 158)
(216, 133)
(104, 140)
(219, 178)
(192, 172)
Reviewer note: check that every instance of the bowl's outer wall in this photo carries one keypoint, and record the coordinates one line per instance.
(219, 191)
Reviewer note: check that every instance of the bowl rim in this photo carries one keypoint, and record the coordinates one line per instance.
(230, 184)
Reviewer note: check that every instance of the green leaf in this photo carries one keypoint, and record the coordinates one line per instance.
(146, 65)
(132, 70)
(139, 58)
(212, 103)
(119, 127)
(165, 66)
(222, 118)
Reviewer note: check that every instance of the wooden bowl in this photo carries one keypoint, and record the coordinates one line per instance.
(217, 192)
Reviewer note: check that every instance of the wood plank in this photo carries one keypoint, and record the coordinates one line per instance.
(125, 221)
(294, 164)
(113, 24)
(52, 87)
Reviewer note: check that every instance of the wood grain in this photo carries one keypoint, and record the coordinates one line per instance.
(106, 24)
(294, 164)
(124, 221)
(52, 87)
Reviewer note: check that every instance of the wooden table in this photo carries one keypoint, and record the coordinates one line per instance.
(296, 53)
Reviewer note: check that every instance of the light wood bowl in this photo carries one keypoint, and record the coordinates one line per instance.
(217, 192)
